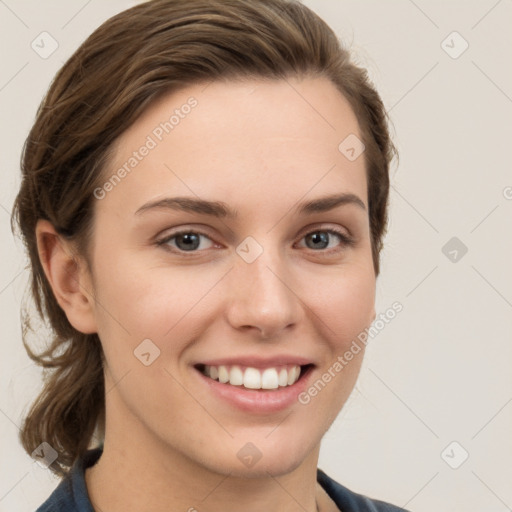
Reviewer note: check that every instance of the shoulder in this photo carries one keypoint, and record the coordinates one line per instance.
(349, 501)
(71, 493)
(61, 499)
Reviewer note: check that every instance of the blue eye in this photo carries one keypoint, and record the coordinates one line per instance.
(319, 241)
(322, 237)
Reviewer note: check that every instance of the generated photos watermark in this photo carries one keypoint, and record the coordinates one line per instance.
(343, 360)
(152, 140)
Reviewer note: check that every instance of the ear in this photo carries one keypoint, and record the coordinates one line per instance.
(68, 277)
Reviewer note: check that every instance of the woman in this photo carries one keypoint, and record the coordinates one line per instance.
(204, 200)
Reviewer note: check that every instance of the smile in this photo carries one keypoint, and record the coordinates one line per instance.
(274, 377)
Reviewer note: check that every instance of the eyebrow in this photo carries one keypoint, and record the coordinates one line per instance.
(222, 210)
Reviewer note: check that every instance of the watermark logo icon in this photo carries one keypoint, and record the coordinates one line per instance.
(249, 249)
(454, 249)
(249, 455)
(44, 45)
(147, 352)
(45, 455)
(351, 147)
(454, 45)
(454, 455)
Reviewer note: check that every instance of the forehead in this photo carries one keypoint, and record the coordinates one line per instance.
(260, 139)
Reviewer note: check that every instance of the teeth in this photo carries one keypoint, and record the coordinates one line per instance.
(269, 379)
(236, 377)
(283, 377)
(222, 371)
(293, 375)
(253, 378)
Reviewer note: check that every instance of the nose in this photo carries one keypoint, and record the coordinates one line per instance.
(262, 297)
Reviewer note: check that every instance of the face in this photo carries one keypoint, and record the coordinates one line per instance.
(248, 287)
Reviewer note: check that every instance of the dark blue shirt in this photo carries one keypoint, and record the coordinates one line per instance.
(71, 494)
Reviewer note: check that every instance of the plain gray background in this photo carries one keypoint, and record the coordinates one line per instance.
(436, 385)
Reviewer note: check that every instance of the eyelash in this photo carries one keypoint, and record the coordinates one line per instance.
(346, 240)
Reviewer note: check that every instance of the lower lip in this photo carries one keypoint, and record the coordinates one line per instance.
(258, 401)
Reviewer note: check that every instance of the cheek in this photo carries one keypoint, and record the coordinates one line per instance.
(346, 304)
(345, 309)
(137, 301)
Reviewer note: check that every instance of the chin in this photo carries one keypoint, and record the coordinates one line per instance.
(258, 458)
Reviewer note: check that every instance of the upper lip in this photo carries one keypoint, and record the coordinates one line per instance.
(257, 361)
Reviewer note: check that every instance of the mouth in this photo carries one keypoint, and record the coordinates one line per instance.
(272, 378)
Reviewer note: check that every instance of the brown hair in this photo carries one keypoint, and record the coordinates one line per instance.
(126, 64)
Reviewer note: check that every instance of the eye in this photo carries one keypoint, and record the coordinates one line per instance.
(186, 241)
(321, 239)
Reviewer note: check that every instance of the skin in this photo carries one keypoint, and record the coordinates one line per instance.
(262, 148)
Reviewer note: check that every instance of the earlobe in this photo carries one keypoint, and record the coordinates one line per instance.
(67, 277)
